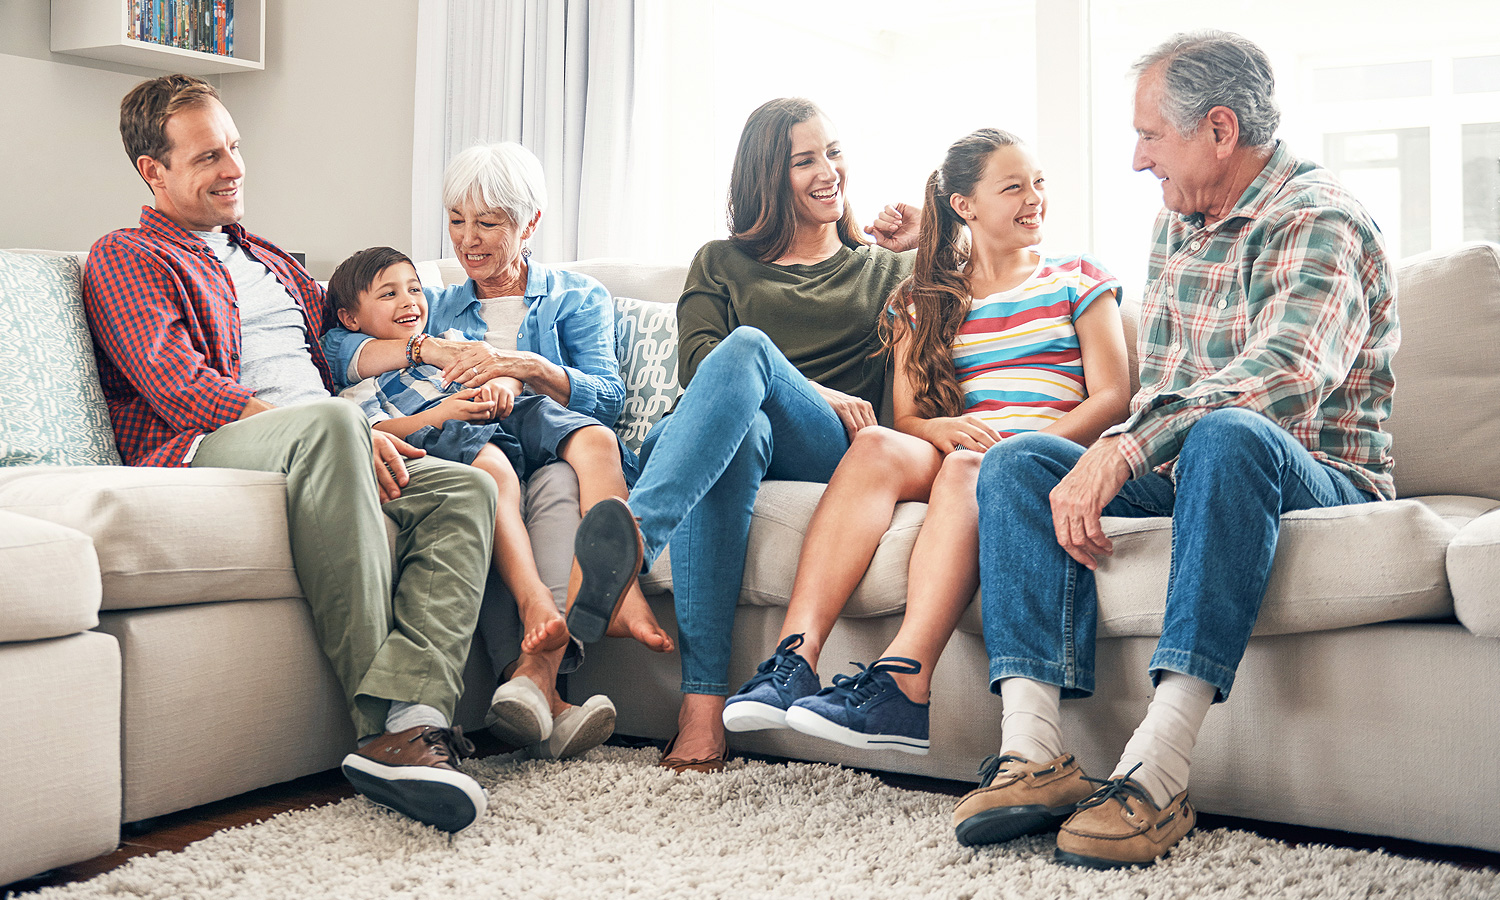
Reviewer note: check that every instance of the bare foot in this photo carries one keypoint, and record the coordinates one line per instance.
(700, 727)
(636, 620)
(550, 635)
(541, 669)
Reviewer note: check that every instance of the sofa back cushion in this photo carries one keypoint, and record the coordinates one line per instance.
(1444, 421)
(52, 409)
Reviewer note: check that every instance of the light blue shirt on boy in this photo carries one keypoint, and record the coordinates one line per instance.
(570, 321)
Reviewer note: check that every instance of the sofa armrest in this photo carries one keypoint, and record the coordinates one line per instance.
(1474, 573)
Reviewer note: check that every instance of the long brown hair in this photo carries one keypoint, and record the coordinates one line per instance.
(929, 306)
(761, 217)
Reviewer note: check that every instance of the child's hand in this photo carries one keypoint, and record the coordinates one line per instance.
(501, 393)
(467, 406)
(968, 432)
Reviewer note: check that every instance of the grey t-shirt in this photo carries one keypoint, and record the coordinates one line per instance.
(274, 358)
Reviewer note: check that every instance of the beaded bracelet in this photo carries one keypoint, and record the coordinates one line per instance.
(414, 349)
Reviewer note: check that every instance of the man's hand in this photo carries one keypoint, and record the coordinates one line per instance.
(897, 227)
(1079, 500)
(852, 411)
(477, 362)
(949, 433)
(390, 470)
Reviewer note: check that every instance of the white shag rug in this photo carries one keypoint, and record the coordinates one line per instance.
(613, 824)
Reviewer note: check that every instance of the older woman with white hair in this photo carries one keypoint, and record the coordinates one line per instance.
(552, 330)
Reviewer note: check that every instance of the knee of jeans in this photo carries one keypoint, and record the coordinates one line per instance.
(1223, 435)
(740, 349)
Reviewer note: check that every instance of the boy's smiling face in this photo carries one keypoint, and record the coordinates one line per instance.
(393, 307)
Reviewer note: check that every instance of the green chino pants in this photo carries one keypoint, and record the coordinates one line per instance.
(409, 643)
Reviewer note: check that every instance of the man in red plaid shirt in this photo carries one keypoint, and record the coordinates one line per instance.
(1266, 338)
(207, 343)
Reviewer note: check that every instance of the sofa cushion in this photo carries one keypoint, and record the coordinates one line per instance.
(1443, 423)
(627, 278)
(52, 409)
(51, 584)
(1474, 574)
(167, 536)
(646, 343)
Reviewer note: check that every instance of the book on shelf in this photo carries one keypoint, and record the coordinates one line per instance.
(205, 26)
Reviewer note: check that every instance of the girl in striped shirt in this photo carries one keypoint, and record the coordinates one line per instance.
(989, 339)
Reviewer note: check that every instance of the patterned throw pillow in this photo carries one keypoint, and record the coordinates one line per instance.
(646, 344)
(51, 406)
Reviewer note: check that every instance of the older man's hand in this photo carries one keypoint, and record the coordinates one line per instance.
(1079, 499)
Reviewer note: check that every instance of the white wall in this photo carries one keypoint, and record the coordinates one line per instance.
(326, 128)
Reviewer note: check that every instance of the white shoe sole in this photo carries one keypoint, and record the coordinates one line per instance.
(577, 730)
(752, 715)
(808, 722)
(519, 713)
(443, 798)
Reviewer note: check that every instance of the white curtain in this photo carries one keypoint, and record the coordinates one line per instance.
(558, 76)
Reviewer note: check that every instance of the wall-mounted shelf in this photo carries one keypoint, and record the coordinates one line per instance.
(97, 29)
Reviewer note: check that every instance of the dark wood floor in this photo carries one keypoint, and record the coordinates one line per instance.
(176, 831)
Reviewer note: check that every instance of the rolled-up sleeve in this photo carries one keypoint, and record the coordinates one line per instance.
(586, 332)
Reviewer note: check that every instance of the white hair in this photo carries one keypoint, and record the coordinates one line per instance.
(505, 177)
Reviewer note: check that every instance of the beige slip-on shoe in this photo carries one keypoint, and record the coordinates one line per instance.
(577, 729)
(519, 713)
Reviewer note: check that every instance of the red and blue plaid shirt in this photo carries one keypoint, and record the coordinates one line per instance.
(166, 327)
(1287, 307)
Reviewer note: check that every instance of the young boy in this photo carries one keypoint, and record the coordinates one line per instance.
(503, 431)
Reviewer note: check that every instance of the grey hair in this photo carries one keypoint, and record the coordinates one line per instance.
(505, 177)
(1204, 69)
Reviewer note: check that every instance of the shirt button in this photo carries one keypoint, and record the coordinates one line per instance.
(1196, 244)
(1223, 303)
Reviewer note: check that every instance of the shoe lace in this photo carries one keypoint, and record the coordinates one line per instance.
(1118, 789)
(779, 668)
(994, 764)
(861, 686)
(448, 742)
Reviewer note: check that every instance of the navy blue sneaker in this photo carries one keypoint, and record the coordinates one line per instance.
(763, 700)
(866, 710)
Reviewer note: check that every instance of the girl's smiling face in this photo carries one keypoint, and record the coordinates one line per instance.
(1009, 203)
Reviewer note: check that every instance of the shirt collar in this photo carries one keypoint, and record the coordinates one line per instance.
(1262, 192)
(154, 221)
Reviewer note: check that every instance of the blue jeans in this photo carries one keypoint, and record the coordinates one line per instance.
(1236, 474)
(747, 415)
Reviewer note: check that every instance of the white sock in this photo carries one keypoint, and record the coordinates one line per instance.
(405, 715)
(1031, 723)
(1163, 744)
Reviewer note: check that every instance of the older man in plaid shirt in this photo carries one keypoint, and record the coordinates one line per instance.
(1266, 338)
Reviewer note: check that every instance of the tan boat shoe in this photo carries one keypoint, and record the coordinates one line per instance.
(1119, 826)
(1016, 797)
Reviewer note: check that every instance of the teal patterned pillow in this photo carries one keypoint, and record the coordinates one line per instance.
(646, 344)
(51, 406)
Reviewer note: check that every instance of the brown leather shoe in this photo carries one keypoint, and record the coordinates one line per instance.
(1016, 797)
(1119, 826)
(709, 764)
(414, 773)
(608, 550)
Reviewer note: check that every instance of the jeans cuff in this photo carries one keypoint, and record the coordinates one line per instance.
(1184, 662)
(1075, 686)
(705, 687)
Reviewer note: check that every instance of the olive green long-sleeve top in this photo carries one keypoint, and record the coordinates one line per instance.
(822, 317)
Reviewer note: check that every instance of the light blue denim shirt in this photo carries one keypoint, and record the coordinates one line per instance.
(570, 320)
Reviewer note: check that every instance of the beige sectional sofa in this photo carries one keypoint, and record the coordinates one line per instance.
(1366, 701)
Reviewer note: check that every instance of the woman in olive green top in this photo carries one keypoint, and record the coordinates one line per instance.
(779, 355)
